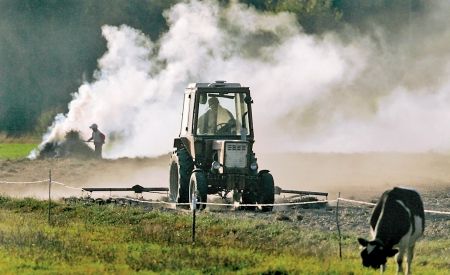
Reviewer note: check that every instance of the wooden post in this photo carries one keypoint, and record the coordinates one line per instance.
(194, 206)
(49, 194)
(337, 223)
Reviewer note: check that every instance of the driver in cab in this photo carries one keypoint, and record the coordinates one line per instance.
(217, 120)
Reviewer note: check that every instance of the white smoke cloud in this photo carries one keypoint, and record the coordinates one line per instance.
(126, 102)
(311, 93)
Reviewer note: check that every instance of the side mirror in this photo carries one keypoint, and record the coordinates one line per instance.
(248, 100)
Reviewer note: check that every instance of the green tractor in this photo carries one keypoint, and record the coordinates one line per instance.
(214, 151)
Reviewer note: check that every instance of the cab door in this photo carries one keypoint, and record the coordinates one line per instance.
(186, 125)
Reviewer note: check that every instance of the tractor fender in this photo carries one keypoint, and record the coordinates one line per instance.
(182, 142)
(263, 172)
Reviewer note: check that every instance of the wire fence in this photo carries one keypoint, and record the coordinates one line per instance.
(236, 205)
(23, 182)
(193, 205)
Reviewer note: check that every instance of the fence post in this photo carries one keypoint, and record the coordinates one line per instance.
(337, 223)
(49, 194)
(194, 206)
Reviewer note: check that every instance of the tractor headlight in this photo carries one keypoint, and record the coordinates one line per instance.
(254, 166)
(215, 165)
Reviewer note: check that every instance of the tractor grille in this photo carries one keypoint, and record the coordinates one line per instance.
(235, 155)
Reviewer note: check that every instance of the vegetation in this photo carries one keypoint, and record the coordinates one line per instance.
(318, 16)
(49, 47)
(16, 150)
(110, 239)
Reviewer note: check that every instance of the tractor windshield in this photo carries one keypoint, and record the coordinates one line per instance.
(223, 114)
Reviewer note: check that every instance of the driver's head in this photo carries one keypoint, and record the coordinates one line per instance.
(213, 102)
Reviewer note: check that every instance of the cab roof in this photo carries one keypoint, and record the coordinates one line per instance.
(216, 84)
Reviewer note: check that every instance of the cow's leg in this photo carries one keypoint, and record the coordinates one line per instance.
(409, 257)
(399, 260)
(382, 268)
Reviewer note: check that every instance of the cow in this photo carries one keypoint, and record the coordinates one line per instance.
(397, 221)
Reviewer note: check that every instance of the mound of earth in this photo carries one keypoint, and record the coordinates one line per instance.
(72, 146)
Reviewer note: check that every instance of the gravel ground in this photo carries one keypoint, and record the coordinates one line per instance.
(354, 218)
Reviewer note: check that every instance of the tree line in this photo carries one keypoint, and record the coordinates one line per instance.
(49, 47)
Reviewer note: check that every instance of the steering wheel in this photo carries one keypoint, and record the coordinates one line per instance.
(223, 128)
(226, 128)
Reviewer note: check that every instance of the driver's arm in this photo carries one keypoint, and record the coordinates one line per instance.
(231, 121)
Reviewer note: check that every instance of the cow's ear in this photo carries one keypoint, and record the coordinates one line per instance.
(363, 242)
(391, 252)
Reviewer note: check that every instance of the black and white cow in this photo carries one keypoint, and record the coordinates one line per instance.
(397, 221)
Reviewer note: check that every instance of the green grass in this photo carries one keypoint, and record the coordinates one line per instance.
(111, 239)
(16, 150)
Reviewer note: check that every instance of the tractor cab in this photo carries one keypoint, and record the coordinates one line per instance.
(217, 110)
(223, 114)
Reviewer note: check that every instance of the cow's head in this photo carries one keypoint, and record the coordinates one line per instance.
(374, 254)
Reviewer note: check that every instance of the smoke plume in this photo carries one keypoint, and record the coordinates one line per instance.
(311, 93)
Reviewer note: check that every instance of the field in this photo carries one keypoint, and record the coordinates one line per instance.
(91, 239)
(106, 239)
(15, 150)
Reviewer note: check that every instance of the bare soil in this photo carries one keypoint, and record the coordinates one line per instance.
(78, 173)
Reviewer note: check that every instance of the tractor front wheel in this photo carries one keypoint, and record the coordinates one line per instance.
(248, 197)
(266, 192)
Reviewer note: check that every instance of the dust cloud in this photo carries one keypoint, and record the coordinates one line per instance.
(358, 175)
(324, 93)
(354, 110)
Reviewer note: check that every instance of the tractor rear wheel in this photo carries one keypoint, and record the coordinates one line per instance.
(181, 167)
(198, 189)
(266, 192)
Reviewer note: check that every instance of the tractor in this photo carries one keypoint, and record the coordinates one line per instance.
(214, 151)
